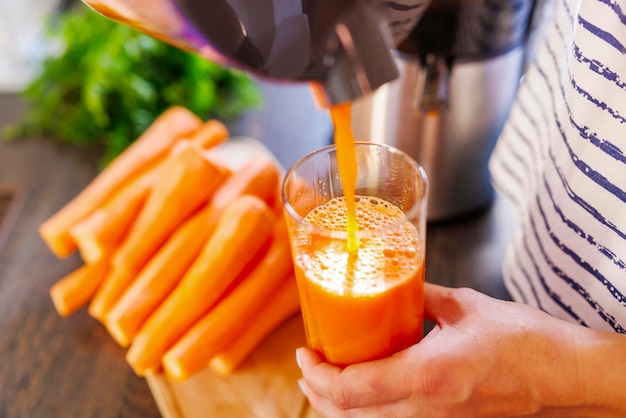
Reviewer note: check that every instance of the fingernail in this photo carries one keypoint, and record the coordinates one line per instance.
(301, 386)
(298, 361)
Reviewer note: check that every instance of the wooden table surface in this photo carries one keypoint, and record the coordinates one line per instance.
(69, 367)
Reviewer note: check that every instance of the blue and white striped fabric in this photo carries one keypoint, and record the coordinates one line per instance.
(561, 159)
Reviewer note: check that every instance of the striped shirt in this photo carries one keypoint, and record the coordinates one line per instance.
(561, 160)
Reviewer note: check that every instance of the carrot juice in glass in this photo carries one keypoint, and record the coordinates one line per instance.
(361, 289)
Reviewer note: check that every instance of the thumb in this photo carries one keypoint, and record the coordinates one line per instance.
(441, 304)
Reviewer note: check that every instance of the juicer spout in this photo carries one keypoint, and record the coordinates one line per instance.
(358, 56)
(434, 95)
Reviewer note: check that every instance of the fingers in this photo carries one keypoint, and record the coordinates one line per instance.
(444, 304)
(435, 301)
(321, 405)
(321, 375)
(358, 385)
(317, 374)
(327, 409)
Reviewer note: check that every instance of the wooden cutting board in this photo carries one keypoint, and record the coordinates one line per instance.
(265, 385)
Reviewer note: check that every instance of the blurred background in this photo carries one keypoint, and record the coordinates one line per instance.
(22, 42)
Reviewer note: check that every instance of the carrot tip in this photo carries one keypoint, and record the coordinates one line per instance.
(173, 370)
(96, 312)
(90, 252)
(221, 367)
(60, 305)
(117, 334)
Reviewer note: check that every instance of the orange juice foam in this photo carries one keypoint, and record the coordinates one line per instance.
(367, 304)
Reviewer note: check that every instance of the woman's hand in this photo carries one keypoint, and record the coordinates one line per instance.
(484, 358)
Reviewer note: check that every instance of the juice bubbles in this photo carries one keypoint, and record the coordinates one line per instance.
(365, 304)
(365, 301)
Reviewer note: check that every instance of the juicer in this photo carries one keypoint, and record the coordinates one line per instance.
(433, 78)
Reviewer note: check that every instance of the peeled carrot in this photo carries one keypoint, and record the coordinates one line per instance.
(99, 233)
(222, 324)
(210, 134)
(160, 275)
(152, 145)
(276, 201)
(243, 229)
(260, 177)
(167, 266)
(279, 307)
(113, 283)
(181, 189)
(73, 291)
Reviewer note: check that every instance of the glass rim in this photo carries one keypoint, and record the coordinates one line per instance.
(406, 215)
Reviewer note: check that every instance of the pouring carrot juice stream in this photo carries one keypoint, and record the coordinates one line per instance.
(361, 297)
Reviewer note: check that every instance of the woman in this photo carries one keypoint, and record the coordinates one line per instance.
(559, 350)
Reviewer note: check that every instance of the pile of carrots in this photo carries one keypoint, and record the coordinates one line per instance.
(186, 257)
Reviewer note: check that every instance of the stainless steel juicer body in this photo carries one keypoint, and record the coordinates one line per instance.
(458, 77)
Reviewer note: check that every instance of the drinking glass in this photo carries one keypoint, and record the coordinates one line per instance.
(366, 304)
